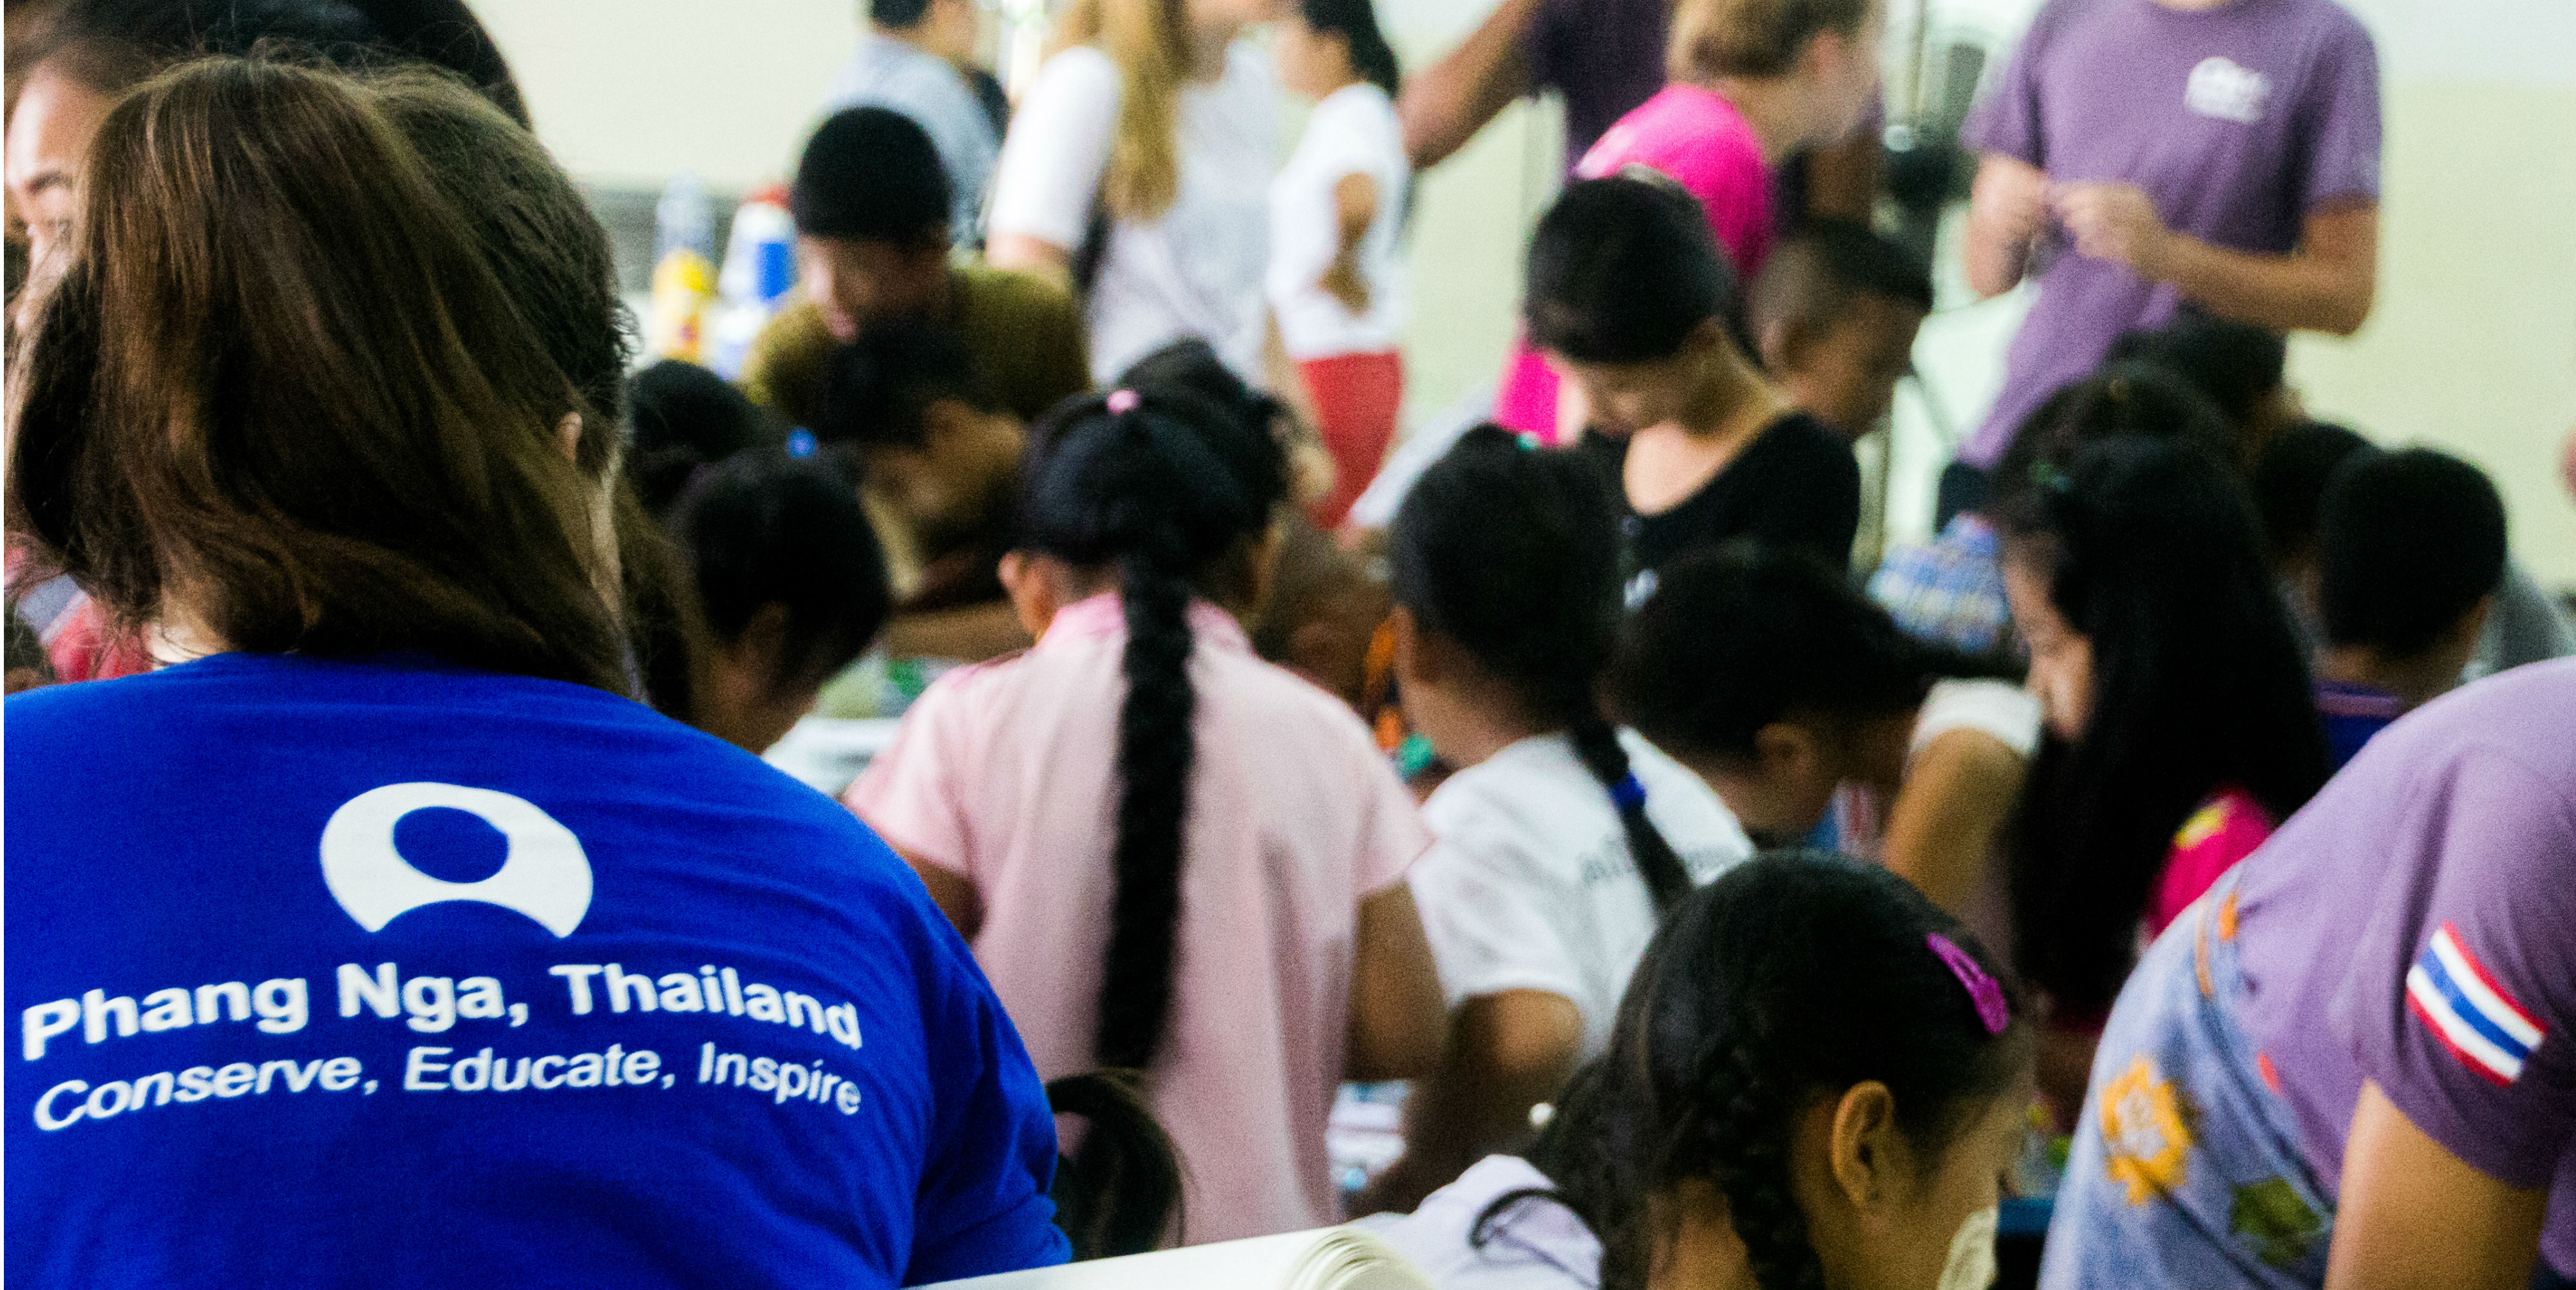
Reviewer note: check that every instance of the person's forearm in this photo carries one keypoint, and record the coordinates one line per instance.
(1030, 255)
(2412, 1215)
(1995, 259)
(2282, 292)
(1445, 104)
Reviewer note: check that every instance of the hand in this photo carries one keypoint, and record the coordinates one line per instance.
(2115, 222)
(1344, 283)
(2010, 199)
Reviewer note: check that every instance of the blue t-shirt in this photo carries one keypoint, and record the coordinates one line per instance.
(387, 974)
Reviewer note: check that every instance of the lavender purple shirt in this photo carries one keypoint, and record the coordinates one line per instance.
(2461, 815)
(2237, 122)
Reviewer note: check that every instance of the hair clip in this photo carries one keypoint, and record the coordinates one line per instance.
(1628, 793)
(1983, 990)
(1122, 402)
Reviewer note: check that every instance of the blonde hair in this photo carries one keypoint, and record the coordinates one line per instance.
(1149, 41)
(1714, 38)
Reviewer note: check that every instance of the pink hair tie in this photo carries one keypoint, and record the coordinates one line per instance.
(1984, 990)
(1121, 402)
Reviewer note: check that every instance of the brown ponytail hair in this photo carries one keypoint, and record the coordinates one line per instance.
(279, 388)
(1716, 38)
(1149, 40)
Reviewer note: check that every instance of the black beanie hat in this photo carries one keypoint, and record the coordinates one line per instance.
(872, 175)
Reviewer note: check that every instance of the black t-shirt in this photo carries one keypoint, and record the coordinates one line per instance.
(1795, 485)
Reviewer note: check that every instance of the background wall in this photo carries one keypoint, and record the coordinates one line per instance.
(2472, 346)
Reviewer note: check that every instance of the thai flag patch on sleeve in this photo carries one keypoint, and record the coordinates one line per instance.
(2473, 1016)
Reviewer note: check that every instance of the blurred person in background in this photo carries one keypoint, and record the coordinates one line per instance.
(874, 214)
(2137, 158)
(1835, 310)
(911, 58)
(1337, 278)
(1138, 172)
(2409, 547)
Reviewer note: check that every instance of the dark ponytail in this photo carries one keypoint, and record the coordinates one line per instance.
(1163, 487)
(1355, 21)
(1125, 1188)
(1794, 976)
(1513, 553)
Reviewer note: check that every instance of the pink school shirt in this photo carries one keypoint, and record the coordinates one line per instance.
(1006, 774)
(1698, 140)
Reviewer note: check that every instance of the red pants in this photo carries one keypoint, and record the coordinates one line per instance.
(1356, 399)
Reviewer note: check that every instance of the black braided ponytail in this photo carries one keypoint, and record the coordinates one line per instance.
(1794, 976)
(1162, 487)
(1513, 553)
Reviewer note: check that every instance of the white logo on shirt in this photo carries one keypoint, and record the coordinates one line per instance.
(2219, 88)
(544, 874)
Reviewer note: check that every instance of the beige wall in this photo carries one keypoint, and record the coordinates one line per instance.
(2472, 347)
(632, 91)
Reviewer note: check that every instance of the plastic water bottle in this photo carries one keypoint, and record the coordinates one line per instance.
(759, 271)
(684, 277)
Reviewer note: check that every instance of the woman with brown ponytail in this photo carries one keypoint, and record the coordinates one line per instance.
(1139, 168)
(1169, 855)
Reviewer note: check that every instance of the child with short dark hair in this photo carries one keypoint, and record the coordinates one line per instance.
(1628, 294)
(2410, 547)
(2238, 366)
(1793, 694)
(686, 419)
(873, 209)
(941, 457)
(1137, 816)
(1327, 604)
(1561, 838)
(1835, 310)
(791, 587)
(1817, 1079)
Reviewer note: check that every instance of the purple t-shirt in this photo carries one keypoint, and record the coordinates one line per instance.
(1603, 56)
(2413, 926)
(2237, 122)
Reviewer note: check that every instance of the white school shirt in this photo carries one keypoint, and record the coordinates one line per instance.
(1352, 131)
(1534, 1244)
(1194, 270)
(1999, 708)
(1531, 887)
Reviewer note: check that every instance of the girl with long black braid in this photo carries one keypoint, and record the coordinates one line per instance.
(1561, 838)
(1816, 1080)
(1169, 856)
